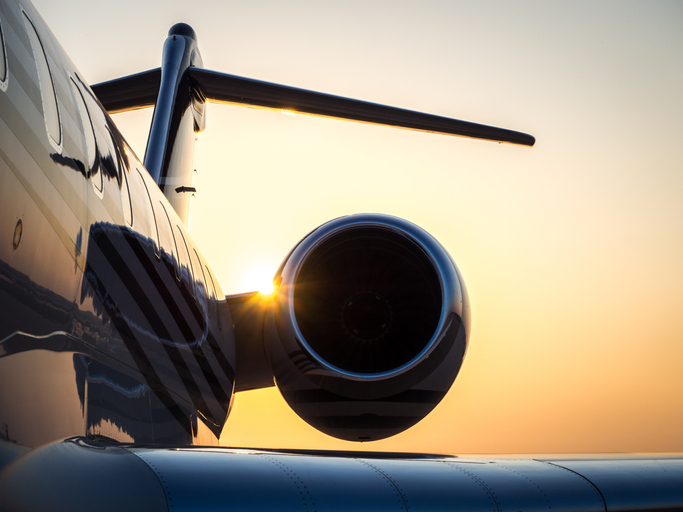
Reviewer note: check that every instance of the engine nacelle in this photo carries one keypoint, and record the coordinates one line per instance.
(368, 328)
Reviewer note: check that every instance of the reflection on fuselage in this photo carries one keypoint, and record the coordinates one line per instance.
(109, 323)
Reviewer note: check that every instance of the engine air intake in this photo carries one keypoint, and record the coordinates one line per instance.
(367, 300)
(368, 326)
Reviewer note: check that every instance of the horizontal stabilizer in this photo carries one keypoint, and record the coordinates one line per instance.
(141, 90)
(224, 88)
(131, 92)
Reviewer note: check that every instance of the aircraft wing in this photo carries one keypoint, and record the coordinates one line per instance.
(141, 90)
(119, 477)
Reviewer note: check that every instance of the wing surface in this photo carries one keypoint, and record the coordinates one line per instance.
(242, 479)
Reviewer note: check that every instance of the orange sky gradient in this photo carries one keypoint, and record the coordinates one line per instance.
(572, 251)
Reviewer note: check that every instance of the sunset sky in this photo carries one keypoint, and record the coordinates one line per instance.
(572, 251)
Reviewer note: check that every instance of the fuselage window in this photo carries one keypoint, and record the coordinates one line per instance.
(4, 73)
(47, 88)
(153, 218)
(212, 290)
(110, 155)
(214, 298)
(125, 197)
(186, 273)
(89, 135)
(201, 287)
(168, 241)
(200, 280)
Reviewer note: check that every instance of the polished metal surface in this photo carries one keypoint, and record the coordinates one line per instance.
(178, 115)
(231, 89)
(140, 90)
(116, 343)
(629, 483)
(132, 92)
(369, 374)
(248, 313)
(77, 475)
(243, 479)
(110, 324)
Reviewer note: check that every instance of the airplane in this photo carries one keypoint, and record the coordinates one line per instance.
(120, 356)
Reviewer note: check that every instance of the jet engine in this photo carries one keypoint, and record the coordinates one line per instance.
(368, 327)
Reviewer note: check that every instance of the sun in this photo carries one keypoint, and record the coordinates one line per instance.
(266, 288)
(259, 279)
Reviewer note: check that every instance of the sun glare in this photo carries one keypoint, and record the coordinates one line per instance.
(266, 288)
(259, 278)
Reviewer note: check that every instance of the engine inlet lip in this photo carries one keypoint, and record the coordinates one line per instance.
(420, 238)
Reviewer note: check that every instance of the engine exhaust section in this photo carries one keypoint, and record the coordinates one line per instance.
(368, 327)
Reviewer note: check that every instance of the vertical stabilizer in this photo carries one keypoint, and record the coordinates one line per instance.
(178, 116)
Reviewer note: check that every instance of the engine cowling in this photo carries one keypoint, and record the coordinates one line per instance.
(368, 327)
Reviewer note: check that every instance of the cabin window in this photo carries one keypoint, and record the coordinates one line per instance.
(89, 135)
(126, 204)
(212, 289)
(111, 158)
(168, 241)
(186, 273)
(200, 278)
(201, 286)
(47, 88)
(4, 73)
(214, 298)
(154, 230)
